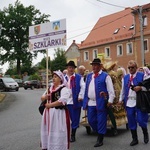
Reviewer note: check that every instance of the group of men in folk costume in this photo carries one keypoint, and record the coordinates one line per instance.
(116, 113)
(114, 101)
(100, 96)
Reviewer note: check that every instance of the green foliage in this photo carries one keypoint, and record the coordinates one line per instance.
(29, 69)
(15, 22)
(11, 71)
(34, 77)
(17, 77)
(59, 62)
(42, 64)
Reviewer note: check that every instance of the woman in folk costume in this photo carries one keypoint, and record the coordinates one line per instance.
(146, 72)
(55, 125)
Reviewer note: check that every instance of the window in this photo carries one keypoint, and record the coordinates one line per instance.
(119, 50)
(132, 27)
(144, 21)
(95, 51)
(86, 55)
(116, 31)
(107, 52)
(129, 48)
(145, 45)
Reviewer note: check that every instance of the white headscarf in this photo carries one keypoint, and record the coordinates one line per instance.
(61, 76)
(146, 71)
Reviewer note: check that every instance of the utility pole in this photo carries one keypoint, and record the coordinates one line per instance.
(142, 37)
(0, 29)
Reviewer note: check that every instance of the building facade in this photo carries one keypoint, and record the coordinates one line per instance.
(117, 37)
(73, 53)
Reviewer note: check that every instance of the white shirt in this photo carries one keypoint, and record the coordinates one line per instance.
(82, 89)
(91, 90)
(131, 101)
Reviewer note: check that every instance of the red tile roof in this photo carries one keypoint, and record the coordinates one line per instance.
(103, 31)
(146, 6)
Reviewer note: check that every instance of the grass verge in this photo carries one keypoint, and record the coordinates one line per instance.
(2, 96)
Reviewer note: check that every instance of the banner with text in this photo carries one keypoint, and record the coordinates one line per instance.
(47, 35)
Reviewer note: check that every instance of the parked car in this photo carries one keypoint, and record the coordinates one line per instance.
(32, 84)
(20, 82)
(7, 84)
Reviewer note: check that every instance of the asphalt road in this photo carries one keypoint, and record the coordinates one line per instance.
(20, 127)
(20, 120)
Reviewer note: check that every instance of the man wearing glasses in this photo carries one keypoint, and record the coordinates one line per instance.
(128, 97)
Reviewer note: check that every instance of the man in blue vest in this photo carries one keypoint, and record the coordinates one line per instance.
(77, 87)
(99, 95)
(128, 97)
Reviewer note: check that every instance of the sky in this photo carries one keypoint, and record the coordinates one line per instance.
(80, 15)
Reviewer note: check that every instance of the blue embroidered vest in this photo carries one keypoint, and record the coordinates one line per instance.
(76, 90)
(138, 78)
(100, 86)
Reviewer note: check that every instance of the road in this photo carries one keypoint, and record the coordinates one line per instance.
(20, 127)
(20, 120)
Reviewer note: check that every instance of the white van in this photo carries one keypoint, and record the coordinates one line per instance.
(7, 84)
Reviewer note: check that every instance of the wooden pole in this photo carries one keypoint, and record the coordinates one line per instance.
(47, 69)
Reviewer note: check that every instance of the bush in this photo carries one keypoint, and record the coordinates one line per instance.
(34, 77)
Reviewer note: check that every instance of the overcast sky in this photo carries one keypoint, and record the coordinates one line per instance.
(80, 15)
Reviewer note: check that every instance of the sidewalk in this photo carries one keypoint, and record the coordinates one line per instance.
(2, 96)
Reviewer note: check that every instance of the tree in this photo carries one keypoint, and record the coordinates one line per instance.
(34, 77)
(42, 64)
(59, 62)
(15, 22)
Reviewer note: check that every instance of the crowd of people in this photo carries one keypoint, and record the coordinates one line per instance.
(107, 94)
